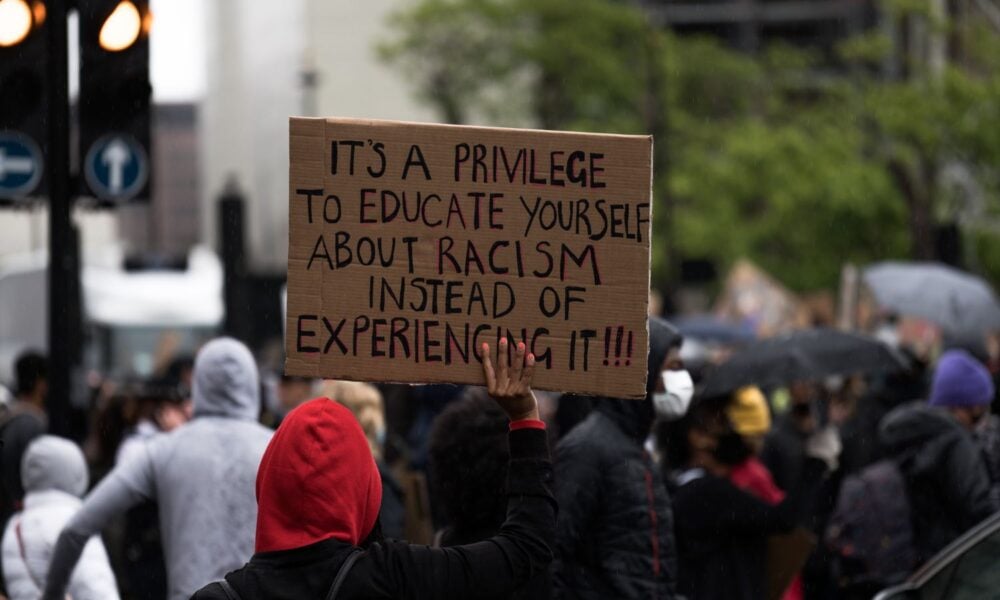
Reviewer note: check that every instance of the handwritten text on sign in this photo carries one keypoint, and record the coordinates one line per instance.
(410, 245)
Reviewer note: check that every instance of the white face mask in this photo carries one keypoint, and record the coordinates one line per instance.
(672, 403)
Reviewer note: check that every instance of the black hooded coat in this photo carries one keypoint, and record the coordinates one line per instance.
(946, 478)
(614, 532)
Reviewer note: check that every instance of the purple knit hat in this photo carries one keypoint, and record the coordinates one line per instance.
(961, 380)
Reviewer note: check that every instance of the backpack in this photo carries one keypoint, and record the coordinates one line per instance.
(338, 581)
(871, 529)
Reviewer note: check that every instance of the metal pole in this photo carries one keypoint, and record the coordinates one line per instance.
(233, 250)
(62, 247)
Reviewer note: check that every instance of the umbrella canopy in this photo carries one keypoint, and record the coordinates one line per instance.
(804, 355)
(961, 304)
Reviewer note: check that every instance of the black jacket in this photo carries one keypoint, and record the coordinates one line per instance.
(19, 426)
(784, 452)
(614, 536)
(493, 568)
(722, 532)
(945, 475)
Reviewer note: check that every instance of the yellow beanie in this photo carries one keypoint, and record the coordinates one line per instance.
(748, 412)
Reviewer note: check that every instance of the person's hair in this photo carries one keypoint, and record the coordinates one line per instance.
(176, 370)
(112, 419)
(365, 401)
(31, 367)
(705, 414)
(468, 463)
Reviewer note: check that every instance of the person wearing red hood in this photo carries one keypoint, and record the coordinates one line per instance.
(318, 497)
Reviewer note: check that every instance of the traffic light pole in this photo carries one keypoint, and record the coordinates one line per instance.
(62, 242)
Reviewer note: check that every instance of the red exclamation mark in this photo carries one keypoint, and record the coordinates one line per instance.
(628, 360)
(607, 344)
(618, 346)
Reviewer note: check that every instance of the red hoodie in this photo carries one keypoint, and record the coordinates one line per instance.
(317, 480)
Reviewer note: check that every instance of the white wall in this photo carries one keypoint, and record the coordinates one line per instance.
(256, 53)
(27, 230)
(352, 81)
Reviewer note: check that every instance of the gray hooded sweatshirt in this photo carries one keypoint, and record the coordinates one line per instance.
(202, 475)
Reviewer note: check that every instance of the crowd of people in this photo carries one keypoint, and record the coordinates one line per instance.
(208, 484)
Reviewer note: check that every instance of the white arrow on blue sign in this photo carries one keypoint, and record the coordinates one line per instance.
(20, 165)
(116, 167)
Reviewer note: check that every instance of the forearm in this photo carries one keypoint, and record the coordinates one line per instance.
(495, 567)
(67, 552)
(110, 498)
(526, 537)
(528, 533)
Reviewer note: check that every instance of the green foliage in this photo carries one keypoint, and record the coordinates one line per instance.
(756, 155)
(794, 197)
(870, 47)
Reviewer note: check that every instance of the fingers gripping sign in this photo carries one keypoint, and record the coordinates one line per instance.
(510, 384)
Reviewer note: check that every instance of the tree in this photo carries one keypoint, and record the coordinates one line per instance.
(935, 125)
(755, 156)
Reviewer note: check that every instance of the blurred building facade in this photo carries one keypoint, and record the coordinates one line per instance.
(319, 59)
(750, 24)
(168, 226)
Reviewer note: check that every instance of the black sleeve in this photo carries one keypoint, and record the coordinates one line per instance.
(668, 545)
(966, 482)
(716, 505)
(16, 435)
(493, 568)
(212, 591)
(748, 514)
(579, 484)
(775, 458)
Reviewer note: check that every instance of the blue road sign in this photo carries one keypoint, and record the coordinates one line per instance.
(21, 165)
(116, 167)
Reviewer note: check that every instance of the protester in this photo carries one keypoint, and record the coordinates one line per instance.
(944, 472)
(721, 529)
(153, 409)
(159, 407)
(963, 387)
(365, 402)
(201, 475)
(20, 423)
(966, 389)
(880, 394)
(293, 391)
(750, 417)
(468, 469)
(614, 536)
(54, 476)
(987, 437)
(784, 449)
(318, 493)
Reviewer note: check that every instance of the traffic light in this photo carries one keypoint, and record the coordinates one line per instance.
(23, 99)
(114, 104)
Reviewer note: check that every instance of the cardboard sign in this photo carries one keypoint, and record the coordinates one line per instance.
(410, 245)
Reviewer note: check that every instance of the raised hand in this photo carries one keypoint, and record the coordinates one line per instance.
(510, 385)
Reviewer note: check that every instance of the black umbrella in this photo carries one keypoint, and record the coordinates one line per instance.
(805, 355)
